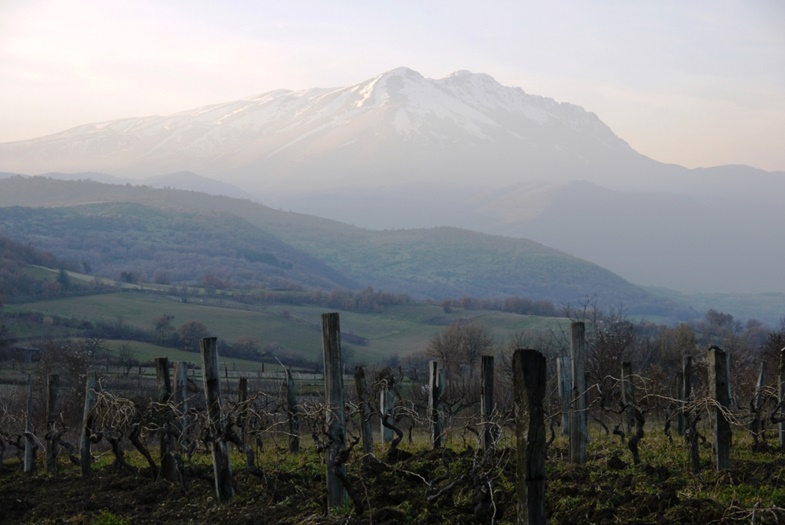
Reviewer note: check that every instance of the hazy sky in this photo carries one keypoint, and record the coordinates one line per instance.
(697, 83)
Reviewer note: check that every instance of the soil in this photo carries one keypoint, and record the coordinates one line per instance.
(430, 487)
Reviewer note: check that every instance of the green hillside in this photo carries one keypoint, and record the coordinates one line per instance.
(425, 263)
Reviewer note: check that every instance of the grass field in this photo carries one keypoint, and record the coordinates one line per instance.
(398, 330)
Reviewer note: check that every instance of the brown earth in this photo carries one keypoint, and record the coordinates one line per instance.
(430, 487)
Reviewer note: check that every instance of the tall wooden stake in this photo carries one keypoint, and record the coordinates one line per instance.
(718, 391)
(336, 417)
(90, 397)
(529, 380)
(757, 403)
(781, 424)
(180, 397)
(387, 401)
(434, 394)
(578, 431)
(486, 404)
(52, 411)
(30, 444)
(242, 401)
(168, 446)
(293, 411)
(564, 375)
(628, 395)
(680, 399)
(222, 469)
(365, 409)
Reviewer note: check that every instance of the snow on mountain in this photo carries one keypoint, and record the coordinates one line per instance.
(398, 124)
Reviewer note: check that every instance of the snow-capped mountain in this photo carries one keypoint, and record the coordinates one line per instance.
(399, 124)
(401, 150)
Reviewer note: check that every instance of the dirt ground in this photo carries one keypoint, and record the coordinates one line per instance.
(431, 487)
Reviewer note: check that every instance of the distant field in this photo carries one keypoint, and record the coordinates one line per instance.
(397, 330)
(146, 353)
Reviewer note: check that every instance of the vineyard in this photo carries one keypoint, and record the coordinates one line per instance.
(522, 437)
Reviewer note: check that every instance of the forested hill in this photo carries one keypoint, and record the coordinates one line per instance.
(181, 237)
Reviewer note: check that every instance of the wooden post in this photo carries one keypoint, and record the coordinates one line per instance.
(755, 426)
(242, 401)
(680, 401)
(387, 401)
(180, 397)
(686, 395)
(486, 404)
(628, 395)
(52, 405)
(222, 469)
(168, 446)
(781, 424)
(293, 412)
(434, 393)
(335, 415)
(181, 386)
(564, 374)
(578, 430)
(365, 409)
(529, 381)
(90, 396)
(30, 444)
(718, 391)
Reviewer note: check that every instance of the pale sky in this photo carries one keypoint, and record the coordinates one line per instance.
(696, 83)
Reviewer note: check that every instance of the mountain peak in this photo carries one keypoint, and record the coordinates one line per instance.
(398, 122)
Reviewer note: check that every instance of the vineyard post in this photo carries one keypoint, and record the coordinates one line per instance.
(781, 424)
(293, 413)
(90, 396)
(434, 393)
(365, 409)
(486, 403)
(757, 402)
(563, 372)
(529, 381)
(52, 400)
(181, 385)
(680, 400)
(628, 395)
(222, 469)
(242, 401)
(387, 400)
(578, 431)
(29, 462)
(166, 440)
(335, 415)
(686, 394)
(690, 415)
(181, 394)
(718, 391)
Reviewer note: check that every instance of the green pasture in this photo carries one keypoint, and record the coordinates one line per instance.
(397, 330)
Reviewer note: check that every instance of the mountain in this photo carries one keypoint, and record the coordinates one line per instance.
(187, 235)
(398, 124)
(404, 151)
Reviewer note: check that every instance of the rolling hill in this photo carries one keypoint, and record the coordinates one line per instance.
(111, 227)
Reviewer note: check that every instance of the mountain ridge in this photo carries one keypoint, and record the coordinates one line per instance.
(422, 119)
(426, 263)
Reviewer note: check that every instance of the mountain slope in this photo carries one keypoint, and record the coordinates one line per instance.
(429, 263)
